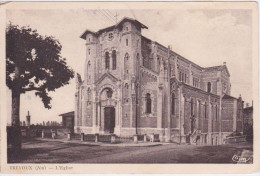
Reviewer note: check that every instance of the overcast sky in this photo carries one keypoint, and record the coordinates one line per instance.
(206, 37)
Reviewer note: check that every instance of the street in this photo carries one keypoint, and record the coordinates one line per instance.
(38, 151)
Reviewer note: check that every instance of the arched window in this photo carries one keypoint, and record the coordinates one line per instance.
(205, 115)
(114, 59)
(191, 107)
(126, 86)
(173, 104)
(148, 103)
(126, 56)
(209, 87)
(109, 93)
(137, 57)
(106, 60)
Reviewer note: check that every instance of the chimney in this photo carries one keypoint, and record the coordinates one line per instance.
(247, 105)
(224, 63)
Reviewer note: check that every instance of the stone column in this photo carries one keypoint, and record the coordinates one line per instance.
(181, 116)
(168, 101)
(117, 131)
(209, 122)
(94, 119)
(197, 114)
(98, 116)
(234, 115)
(102, 121)
(84, 109)
(159, 106)
(220, 120)
(94, 112)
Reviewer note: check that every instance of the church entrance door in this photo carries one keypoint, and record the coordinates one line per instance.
(109, 114)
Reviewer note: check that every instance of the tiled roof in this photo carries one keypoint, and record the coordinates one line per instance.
(83, 36)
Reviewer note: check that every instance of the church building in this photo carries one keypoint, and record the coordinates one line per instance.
(133, 85)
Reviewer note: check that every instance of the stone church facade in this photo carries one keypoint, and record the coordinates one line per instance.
(133, 85)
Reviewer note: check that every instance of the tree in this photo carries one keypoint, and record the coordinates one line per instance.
(33, 63)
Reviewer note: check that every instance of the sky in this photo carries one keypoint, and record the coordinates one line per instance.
(206, 37)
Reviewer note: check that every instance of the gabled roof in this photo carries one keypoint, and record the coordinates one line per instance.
(107, 74)
(217, 68)
(83, 36)
(131, 20)
(67, 114)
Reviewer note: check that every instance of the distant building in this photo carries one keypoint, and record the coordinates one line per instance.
(68, 120)
(247, 118)
(232, 115)
(133, 85)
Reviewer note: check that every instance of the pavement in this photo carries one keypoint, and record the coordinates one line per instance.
(61, 151)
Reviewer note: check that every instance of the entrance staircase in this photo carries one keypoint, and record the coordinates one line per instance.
(194, 137)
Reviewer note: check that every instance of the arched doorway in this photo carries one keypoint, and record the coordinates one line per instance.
(109, 119)
(107, 114)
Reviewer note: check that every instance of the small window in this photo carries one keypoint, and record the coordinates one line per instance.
(173, 104)
(110, 36)
(205, 115)
(191, 107)
(126, 56)
(114, 59)
(126, 28)
(107, 60)
(126, 42)
(109, 93)
(209, 87)
(89, 51)
(126, 86)
(89, 39)
(148, 103)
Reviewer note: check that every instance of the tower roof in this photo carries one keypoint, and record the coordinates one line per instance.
(83, 36)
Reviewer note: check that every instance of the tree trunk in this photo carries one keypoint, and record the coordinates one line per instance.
(15, 108)
(16, 131)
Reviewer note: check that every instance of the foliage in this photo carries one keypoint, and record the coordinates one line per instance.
(34, 63)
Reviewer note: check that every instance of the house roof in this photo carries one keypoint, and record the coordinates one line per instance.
(83, 35)
(228, 97)
(248, 108)
(67, 114)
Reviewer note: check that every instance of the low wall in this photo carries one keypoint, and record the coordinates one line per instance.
(235, 139)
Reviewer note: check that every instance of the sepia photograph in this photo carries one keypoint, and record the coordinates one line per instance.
(110, 83)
